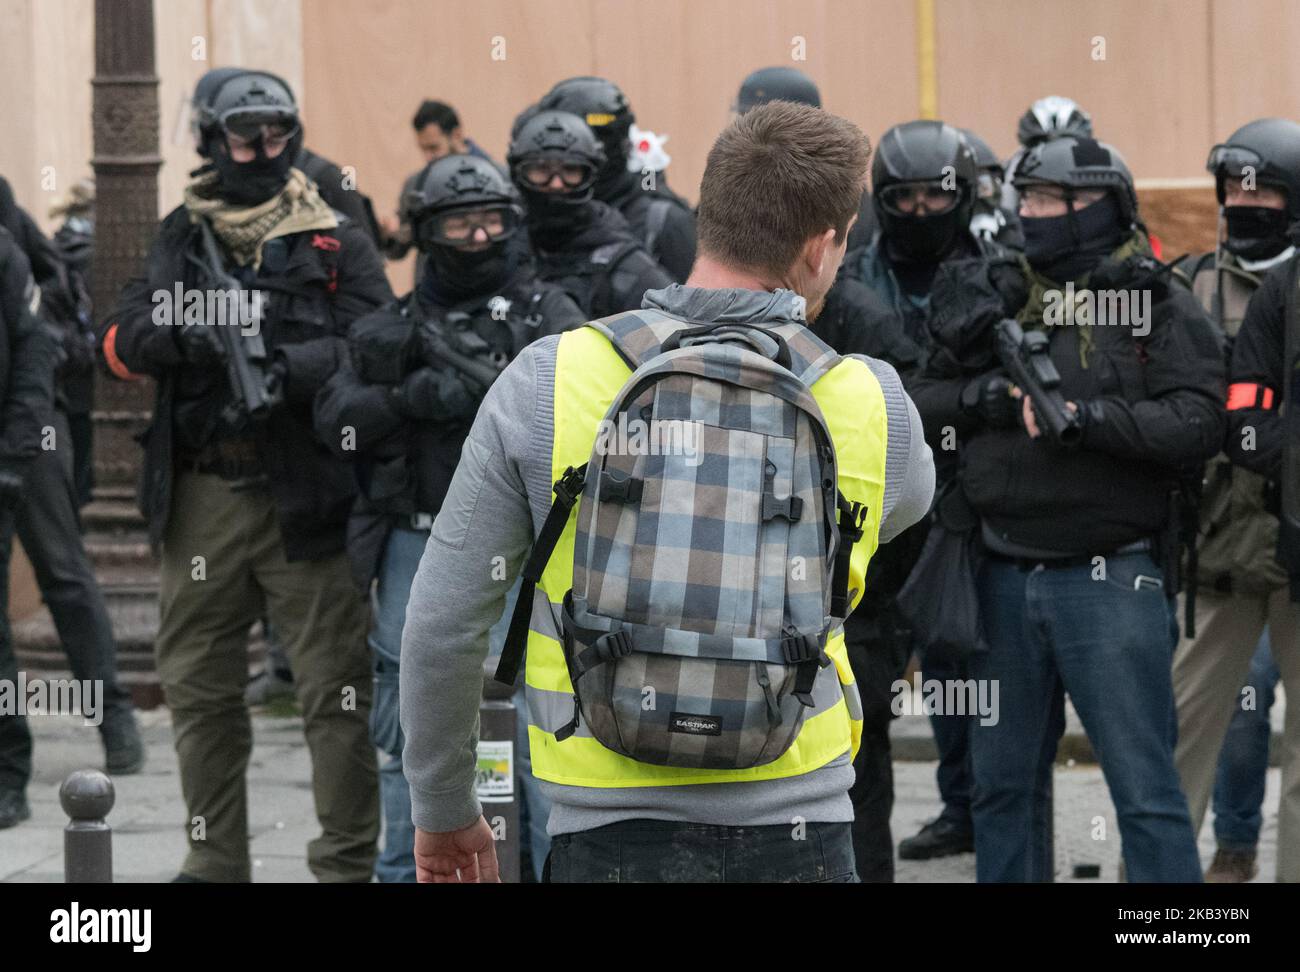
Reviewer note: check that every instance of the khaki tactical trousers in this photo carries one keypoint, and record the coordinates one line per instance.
(223, 564)
(1208, 676)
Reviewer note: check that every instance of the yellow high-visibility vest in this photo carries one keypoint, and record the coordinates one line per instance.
(588, 377)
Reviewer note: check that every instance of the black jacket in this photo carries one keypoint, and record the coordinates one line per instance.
(316, 283)
(27, 355)
(63, 309)
(1255, 432)
(598, 262)
(1153, 404)
(340, 192)
(403, 465)
(661, 220)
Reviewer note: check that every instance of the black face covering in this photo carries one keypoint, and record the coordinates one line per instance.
(553, 217)
(1256, 232)
(921, 239)
(1064, 248)
(459, 274)
(256, 181)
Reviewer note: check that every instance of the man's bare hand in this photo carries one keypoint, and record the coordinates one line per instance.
(1027, 413)
(466, 856)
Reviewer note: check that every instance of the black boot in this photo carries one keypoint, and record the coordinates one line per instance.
(938, 838)
(123, 749)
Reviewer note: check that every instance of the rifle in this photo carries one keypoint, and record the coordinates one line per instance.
(461, 349)
(1025, 358)
(245, 354)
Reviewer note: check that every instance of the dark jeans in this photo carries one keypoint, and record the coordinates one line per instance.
(1108, 643)
(952, 739)
(878, 653)
(50, 528)
(1243, 761)
(15, 737)
(660, 851)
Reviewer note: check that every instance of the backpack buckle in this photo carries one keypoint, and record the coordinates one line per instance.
(615, 644)
(619, 488)
(791, 507)
(799, 648)
(569, 486)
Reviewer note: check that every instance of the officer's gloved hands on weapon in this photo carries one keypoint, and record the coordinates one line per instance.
(436, 395)
(992, 399)
(200, 345)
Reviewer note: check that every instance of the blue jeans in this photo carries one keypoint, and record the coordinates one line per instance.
(952, 739)
(662, 851)
(534, 808)
(1243, 761)
(1109, 645)
(402, 555)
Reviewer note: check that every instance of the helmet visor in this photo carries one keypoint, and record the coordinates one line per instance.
(919, 198)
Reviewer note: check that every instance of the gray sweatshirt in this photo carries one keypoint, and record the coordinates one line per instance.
(497, 502)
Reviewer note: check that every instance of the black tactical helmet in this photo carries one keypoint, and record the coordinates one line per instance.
(777, 84)
(1079, 164)
(454, 185)
(601, 105)
(240, 100)
(1268, 147)
(1051, 117)
(922, 151)
(556, 136)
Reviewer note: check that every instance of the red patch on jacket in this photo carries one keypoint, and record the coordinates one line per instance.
(322, 242)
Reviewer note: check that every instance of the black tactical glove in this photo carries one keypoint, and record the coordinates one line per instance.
(1137, 272)
(988, 398)
(11, 487)
(429, 394)
(200, 344)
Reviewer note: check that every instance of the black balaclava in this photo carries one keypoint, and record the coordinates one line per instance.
(553, 217)
(1064, 248)
(922, 239)
(458, 275)
(1256, 232)
(253, 182)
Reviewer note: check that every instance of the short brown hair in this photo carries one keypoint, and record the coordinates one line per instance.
(778, 175)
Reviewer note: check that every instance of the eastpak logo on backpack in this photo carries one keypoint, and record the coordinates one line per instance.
(690, 640)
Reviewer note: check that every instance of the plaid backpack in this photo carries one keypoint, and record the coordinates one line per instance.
(709, 565)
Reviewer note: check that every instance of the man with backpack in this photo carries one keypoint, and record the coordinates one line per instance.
(694, 715)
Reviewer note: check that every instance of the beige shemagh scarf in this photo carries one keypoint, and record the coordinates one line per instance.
(242, 230)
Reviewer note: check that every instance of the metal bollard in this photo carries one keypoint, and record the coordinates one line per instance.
(496, 773)
(87, 797)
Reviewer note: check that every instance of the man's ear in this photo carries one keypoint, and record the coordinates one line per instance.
(818, 250)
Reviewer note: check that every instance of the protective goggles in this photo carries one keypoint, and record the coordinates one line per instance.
(990, 185)
(274, 127)
(539, 173)
(919, 198)
(462, 227)
(1233, 160)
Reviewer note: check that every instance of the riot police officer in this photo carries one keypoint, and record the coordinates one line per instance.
(409, 407)
(581, 244)
(659, 217)
(247, 504)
